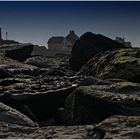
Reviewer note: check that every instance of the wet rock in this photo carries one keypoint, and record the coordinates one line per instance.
(121, 64)
(10, 115)
(92, 104)
(117, 127)
(88, 46)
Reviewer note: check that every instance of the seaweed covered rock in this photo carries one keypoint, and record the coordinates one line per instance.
(88, 46)
(122, 64)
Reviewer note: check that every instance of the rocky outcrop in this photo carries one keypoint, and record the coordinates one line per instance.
(9, 68)
(47, 91)
(122, 63)
(88, 46)
(48, 62)
(20, 53)
(33, 104)
(39, 50)
(10, 115)
(117, 127)
(39, 61)
(92, 104)
(13, 131)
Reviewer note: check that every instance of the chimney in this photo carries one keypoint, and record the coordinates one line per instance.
(71, 32)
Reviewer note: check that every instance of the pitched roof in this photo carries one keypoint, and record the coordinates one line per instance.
(72, 36)
(57, 39)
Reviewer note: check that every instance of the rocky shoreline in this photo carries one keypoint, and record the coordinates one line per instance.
(48, 97)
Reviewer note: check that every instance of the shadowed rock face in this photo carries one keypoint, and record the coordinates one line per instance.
(88, 46)
(42, 105)
(21, 53)
(121, 63)
(92, 104)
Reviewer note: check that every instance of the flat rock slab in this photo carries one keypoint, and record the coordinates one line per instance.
(8, 130)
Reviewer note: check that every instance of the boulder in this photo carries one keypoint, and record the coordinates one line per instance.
(20, 53)
(39, 50)
(10, 115)
(121, 63)
(92, 104)
(38, 106)
(117, 127)
(88, 46)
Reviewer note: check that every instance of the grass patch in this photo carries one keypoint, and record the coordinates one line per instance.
(125, 55)
(123, 59)
(128, 51)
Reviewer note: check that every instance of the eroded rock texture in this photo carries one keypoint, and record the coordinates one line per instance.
(122, 63)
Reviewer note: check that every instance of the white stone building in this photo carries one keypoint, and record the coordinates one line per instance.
(60, 43)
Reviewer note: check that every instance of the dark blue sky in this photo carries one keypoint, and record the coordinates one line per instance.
(37, 21)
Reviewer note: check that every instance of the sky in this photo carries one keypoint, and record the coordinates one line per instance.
(37, 21)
